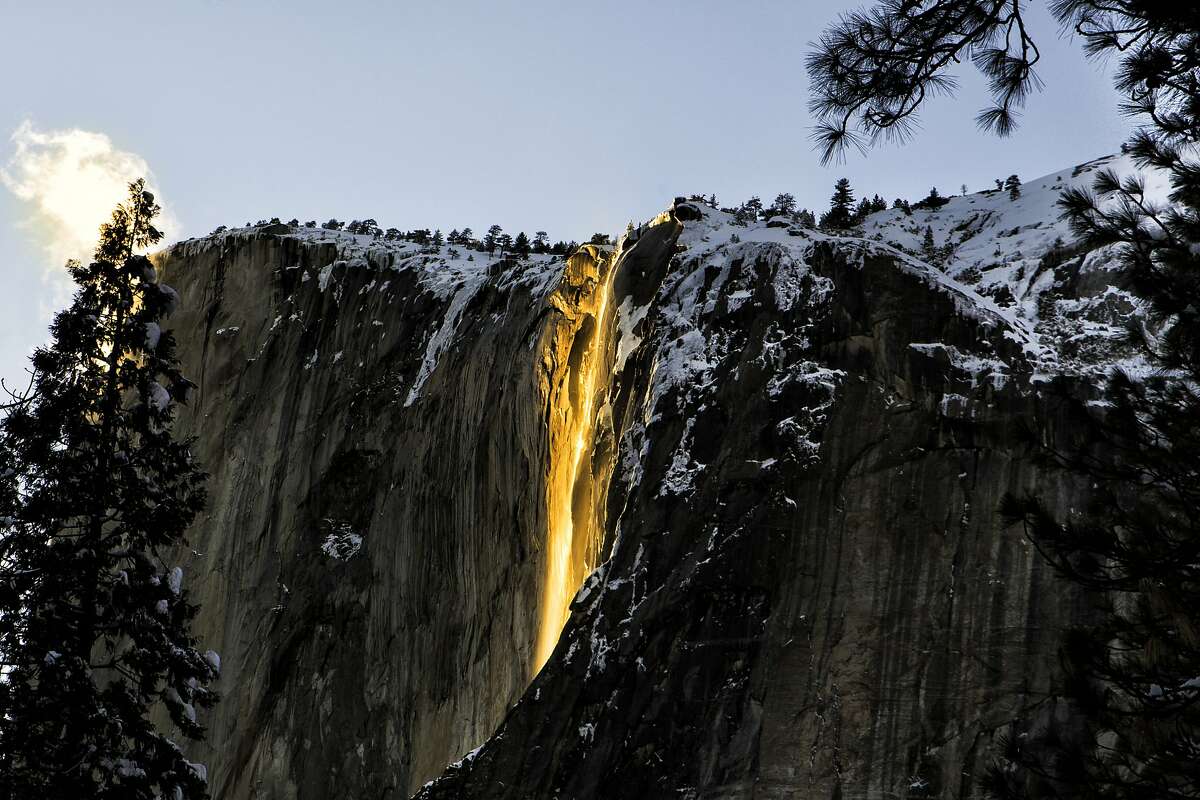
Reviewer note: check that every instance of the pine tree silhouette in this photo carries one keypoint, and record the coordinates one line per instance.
(1012, 185)
(840, 214)
(95, 496)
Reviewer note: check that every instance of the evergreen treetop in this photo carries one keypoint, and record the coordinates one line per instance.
(784, 204)
(841, 207)
(492, 238)
(521, 245)
(1013, 186)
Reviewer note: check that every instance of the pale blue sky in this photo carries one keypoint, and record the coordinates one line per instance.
(563, 116)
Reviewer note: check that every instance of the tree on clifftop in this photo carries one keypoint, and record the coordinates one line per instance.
(521, 244)
(1013, 185)
(841, 207)
(784, 204)
(492, 238)
(94, 495)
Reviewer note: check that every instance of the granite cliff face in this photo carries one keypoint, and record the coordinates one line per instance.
(771, 456)
(369, 565)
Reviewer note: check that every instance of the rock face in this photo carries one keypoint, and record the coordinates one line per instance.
(809, 593)
(798, 446)
(377, 445)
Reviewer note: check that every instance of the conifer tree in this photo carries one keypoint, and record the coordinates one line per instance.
(841, 205)
(1013, 186)
(492, 238)
(928, 246)
(521, 244)
(750, 210)
(784, 203)
(95, 496)
(1135, 675)
(863, 210)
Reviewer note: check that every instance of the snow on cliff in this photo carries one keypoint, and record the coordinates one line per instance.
(443, 270)
(1007, 262)
(1019, 253)
(451, 275)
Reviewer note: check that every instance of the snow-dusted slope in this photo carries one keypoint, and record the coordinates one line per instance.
(1021, 254)
(1009, 262)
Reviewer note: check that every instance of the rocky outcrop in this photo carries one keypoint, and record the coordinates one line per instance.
(797, 453)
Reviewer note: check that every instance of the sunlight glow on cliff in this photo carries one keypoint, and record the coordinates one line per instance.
(575, 533)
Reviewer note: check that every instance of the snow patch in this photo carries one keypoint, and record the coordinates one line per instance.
(978, 367)
(175, 580)
(444, 335)
(341, 543)
(628, 318)
(153, 334)
(158, 397)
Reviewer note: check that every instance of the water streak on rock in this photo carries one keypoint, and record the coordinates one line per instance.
(575, 531)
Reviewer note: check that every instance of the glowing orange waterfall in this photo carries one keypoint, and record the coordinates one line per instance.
(575, 531)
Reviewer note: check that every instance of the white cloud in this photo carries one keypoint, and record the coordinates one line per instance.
(70, 181)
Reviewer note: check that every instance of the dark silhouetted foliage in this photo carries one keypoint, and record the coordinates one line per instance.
(95, 496)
